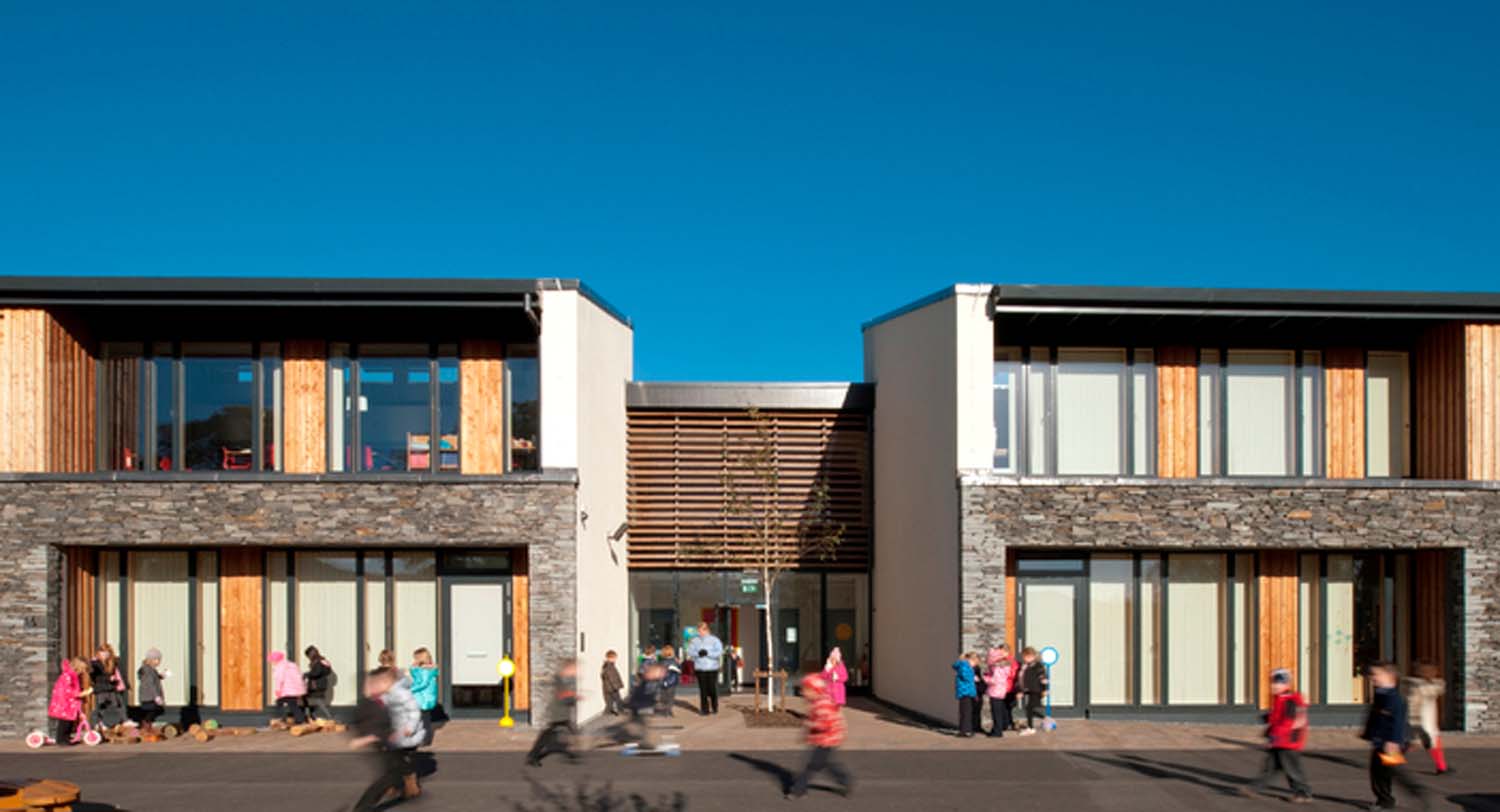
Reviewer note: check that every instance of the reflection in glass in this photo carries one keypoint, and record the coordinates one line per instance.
(525, 402)
(448, 408)
(122, 409)
(163, 371)
(395, 409)
(218, 395)
(340, 410)
(270, 413)
(1006, 385)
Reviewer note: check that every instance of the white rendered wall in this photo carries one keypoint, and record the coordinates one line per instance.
(915, 602)
(586, 360)
(605, 365)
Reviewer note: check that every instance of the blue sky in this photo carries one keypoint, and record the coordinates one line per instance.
(750, 182)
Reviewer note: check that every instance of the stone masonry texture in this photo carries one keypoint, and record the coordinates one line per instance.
(1001, 514)
(40, 515)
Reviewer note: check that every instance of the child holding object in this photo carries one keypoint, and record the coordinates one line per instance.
(1286, 734)
(1386, 730)
(66, 707)
(825, 733)
(319, 681)
(998, 685)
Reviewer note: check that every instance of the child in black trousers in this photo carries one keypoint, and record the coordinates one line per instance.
(1386, 731)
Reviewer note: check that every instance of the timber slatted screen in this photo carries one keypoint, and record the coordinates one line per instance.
(677, 495)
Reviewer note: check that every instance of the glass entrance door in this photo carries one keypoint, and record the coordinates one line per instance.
(1049, 617)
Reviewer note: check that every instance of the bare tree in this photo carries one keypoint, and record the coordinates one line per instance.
(779, 534)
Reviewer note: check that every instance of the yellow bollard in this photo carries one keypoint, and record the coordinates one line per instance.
(506, 669)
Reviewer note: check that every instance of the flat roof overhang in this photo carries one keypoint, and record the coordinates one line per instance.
(1243, 303)
(326, 292)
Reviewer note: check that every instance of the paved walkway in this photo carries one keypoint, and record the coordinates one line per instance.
(872, 727)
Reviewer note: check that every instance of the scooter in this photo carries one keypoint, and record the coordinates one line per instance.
(83, 733)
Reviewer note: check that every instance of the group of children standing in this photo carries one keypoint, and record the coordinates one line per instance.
(100, 678)
(1006, 683)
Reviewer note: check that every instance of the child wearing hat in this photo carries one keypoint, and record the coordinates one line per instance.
(1286, 734)
(148, 679)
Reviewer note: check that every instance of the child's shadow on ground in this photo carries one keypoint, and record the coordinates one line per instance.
(1219, 782)
(783, 776)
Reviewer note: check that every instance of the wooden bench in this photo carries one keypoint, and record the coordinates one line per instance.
(39, 796)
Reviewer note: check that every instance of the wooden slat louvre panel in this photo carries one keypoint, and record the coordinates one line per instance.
(1278, 617)
(305, 402)
(1482, 403)
(481, 443)
(241, 655)
(1345, 386)
(1177, 412)
(1440, 415)
(676, 490)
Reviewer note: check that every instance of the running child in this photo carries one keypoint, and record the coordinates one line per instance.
(1286, 734)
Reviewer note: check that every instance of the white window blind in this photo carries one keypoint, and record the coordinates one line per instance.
(1258, 390)
(1089, 420)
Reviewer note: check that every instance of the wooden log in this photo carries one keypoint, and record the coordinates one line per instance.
(204, 736)
(304, 729)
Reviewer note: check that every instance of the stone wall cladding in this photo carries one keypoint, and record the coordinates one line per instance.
(38, 515)
(1000, 513)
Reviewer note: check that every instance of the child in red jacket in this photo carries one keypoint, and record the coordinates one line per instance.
(1286, 734)
(825, 732)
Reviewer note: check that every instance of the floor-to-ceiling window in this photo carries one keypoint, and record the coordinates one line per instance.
(1074, 411)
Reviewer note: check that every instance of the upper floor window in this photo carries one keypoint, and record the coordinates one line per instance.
(1267, 413)
(1074, 411)
(397, 408)
(168, 406)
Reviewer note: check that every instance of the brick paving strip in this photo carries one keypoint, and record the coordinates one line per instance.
(872, 727)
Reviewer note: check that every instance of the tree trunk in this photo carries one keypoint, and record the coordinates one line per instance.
(770, 643)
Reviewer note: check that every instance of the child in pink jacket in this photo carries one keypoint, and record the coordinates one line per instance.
(999, 685)
(66, 707)
(288, 687)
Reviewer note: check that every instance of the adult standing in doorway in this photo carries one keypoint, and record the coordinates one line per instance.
(708, 650)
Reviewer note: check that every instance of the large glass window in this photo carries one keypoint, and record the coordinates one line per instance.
(190, 407)
(524, 381)
(218, 402)
(1258, 413)
(1208, 413)
(1387, 424)
(395, 408)
(1006, 387)
(1111, 621)
(159, 611)
(1195, 625)
(848, 604)
(1151, 623)
(1310, 424)
(375, 606)
(1090, 402)
(1083, 412)
(328, 616)
(415, 603)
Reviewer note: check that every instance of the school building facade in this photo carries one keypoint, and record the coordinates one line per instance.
(219, 468)
(1181, 490)
(1177, 489)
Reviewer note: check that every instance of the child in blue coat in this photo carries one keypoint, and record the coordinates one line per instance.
(964, 691)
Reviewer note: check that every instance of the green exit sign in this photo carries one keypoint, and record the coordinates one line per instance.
(749, 585)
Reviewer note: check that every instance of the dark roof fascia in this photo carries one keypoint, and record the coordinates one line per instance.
(44, 291)
(729, 395)
(1241, 301)
(931, 298)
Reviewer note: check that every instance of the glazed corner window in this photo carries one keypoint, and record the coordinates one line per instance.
(193, 406)
(1006, 388)
(1084, 411)
(523, 390)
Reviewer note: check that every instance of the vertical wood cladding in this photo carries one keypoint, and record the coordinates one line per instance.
(520, 624)
(80, 609)
(676, 494)
(305, 403)
(1482, 404)
(1344, 376)
(1277, 618)
(46, 394)
(1177, 412)
(1440, 406)
(481, 369)
(241, 571)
